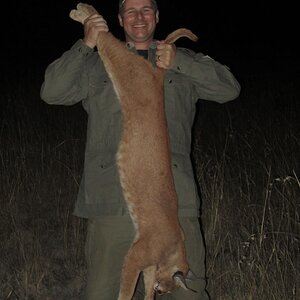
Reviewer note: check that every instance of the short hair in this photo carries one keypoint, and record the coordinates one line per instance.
(121, 4)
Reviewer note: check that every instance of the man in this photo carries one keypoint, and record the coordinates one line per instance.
(79, 75)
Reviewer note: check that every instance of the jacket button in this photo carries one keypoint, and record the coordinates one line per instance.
(175, 166)
(170, 80)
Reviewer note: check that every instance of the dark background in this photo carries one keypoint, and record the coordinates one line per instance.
(246, 151)
(248, 36)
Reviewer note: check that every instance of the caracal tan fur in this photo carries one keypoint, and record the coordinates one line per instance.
(144, 164)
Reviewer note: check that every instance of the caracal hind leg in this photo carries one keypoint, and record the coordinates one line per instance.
(149, 281)
(82, 12)
(130, 274)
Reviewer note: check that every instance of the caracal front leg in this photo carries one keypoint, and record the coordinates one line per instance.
(129, 277)
(149, 281)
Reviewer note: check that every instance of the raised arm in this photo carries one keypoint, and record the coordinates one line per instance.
(212, 80)
(66, 80)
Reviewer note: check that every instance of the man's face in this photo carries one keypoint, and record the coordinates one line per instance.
(138, 20)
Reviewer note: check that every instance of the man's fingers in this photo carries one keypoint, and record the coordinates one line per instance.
(165, 55)
(96, 21)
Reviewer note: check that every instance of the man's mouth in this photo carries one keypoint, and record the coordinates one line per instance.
(139, 26)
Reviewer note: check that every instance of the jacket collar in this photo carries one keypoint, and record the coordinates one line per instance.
(151, 53)
(130, 45)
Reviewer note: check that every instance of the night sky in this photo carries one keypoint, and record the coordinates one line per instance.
(229, 32)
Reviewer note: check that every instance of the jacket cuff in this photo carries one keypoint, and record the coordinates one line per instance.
(82, 48)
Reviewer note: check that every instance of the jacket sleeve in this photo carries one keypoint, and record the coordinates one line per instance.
(211, 80)
(66, 81)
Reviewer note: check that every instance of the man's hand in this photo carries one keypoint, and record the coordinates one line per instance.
(92, 26)
(165, 55)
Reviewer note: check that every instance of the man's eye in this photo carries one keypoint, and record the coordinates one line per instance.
(130, 12)
(147, 10)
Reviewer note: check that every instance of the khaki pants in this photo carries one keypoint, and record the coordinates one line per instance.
(108, 240)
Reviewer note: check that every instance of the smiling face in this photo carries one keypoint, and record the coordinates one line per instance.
(139, 19)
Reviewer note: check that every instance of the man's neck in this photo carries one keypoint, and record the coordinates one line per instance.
(143, 53)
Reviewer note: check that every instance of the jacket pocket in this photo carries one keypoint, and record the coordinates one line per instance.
(102, 184)
(178, 99)
(102, 96)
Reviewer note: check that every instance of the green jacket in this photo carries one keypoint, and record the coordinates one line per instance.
(79, 75)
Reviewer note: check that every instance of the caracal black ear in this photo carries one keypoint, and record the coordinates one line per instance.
(180, 281)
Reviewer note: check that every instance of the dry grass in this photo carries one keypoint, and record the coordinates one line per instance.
(249, 177)
(41, 159)
(247, 161)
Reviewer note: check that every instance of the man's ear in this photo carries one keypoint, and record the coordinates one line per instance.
(120, 20)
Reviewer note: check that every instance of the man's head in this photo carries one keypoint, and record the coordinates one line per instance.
(139, 19)
(121, 5)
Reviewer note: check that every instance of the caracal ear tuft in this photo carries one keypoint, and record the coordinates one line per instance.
(180, 280)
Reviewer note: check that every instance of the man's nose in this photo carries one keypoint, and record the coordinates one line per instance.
(139, 15)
